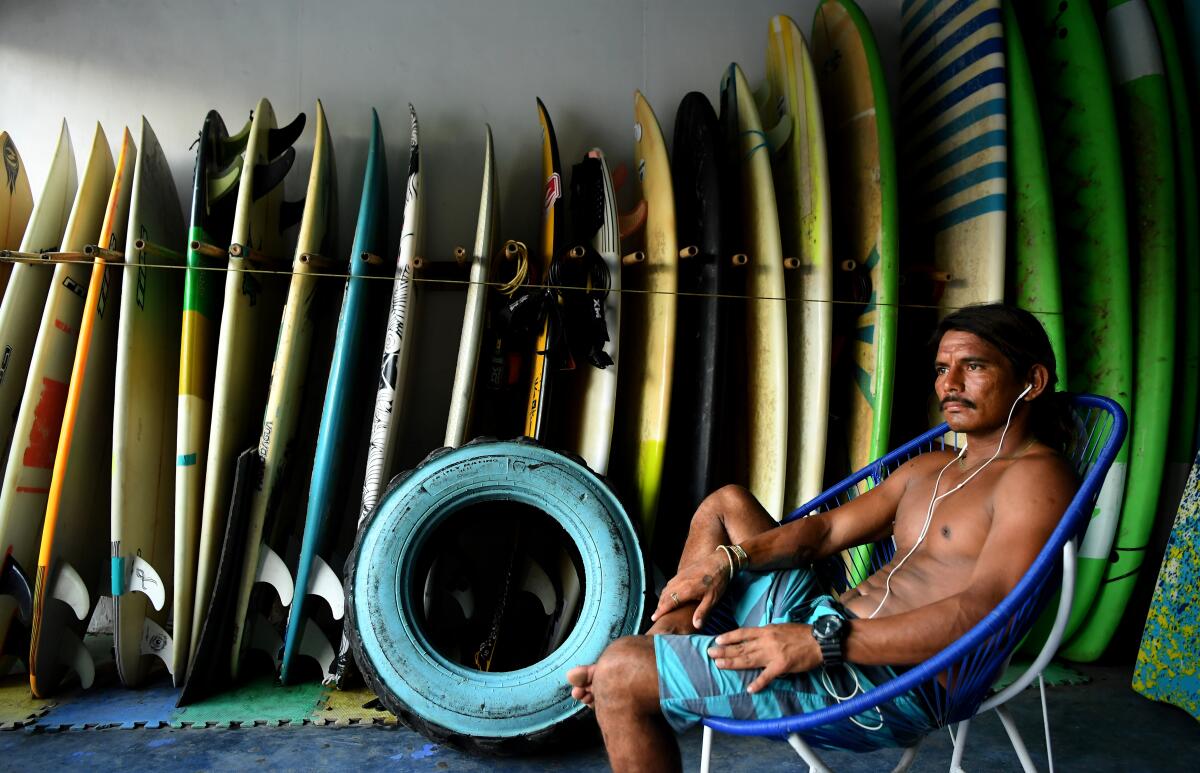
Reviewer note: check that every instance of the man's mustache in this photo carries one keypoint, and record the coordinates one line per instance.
(960, 400)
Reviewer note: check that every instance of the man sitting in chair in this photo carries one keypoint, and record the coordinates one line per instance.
(967, 526)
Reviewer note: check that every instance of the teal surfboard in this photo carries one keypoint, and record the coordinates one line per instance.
(1144, 115)
(332, 480)
(1073, 87)
(1033, 278)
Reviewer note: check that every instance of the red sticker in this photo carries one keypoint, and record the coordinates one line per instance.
(553, 190)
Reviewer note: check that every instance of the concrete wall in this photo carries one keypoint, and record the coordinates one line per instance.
(461, 63)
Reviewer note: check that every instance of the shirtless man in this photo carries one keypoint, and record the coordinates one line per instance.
(967, 527)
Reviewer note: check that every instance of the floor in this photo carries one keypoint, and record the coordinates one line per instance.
(1100, 726)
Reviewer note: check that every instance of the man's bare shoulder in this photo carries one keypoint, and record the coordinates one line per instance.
(1041, 475)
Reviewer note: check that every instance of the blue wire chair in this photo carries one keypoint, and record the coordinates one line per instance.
(956, 684)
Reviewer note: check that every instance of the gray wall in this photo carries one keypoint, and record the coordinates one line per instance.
(461, 63)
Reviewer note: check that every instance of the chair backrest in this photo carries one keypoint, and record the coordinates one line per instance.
(956, 680)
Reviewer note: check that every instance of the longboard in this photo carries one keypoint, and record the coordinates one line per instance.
(592, 390)
(39, 419)
(796, 131)
(1074, 97)
(249, 315)
(69, 575)
(766, 309)
(336, 474)
(143, 445)
(394, 365)
(1033, 272)
(648, 329)
(281, 418)
(16, 203)
(692, 467)
(542, 371)
(466, 369)
(1144, 117)
(953, 97)
(215, 181)
(863, 196)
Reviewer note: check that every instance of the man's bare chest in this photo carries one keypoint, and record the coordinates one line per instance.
(960, 521)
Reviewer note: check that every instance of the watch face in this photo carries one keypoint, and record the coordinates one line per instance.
(827, 626)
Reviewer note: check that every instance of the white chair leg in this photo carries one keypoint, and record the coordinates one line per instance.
(960, 746)
(1015, 736)
(1046, 724)
(815, 763)
(706, 749)
(906, 759)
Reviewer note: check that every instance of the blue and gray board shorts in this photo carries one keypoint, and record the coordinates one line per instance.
(691, 687)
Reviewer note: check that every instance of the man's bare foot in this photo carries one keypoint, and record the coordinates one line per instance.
(677, 621)
(580, 679)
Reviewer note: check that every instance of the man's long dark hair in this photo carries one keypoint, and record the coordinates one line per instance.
(1022, 340)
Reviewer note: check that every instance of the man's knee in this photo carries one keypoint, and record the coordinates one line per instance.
(626, 672)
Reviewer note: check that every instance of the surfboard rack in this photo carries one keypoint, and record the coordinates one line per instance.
(930, 272)
(255, 257)
(633, 258)
(371, 259)
(16, 256)
(791, 264)
(96, 252)
(208, 250)
(460, 255)
(740, 259)
(319, 262)
(689, 252)
(158, 252)
(849, 264)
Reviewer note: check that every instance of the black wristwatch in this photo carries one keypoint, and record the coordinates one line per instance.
(829, 631)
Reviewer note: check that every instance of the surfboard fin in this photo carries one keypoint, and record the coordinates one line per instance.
(315, 645)
(265, 638)
(290, 213)
(68, 587)
(225, 181)
(141, 576)
(14, 582)
(155, 641)
(72, 652)
(779, 134)
(631, 222)
(568, 578)
(281, 139)
(270, 174)
(324, 583)
(236, 143)
(535, 580)
(274, 572)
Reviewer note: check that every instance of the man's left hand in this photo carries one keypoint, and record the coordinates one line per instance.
(782, 648)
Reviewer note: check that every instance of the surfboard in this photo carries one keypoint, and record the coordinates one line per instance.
(692, 467)
(1144, 116)
(466, 369)
(143, 444)
(542, 373)
(591, 391)
(16, 204)
(69, 577)
(281, 417)
(647, 329)
(1073, 87)
(766, 308)
(394, 367)
(953, 96)
(215, 180)
(863, 199)
(249, 315)
(796, 132)
(40, 413)
(334, 471)
(29, 283)
(1032, 273)
(1168, 662)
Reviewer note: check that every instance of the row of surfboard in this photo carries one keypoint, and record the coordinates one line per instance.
(195, 518)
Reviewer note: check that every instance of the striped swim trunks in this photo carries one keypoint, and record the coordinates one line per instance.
(691, 687)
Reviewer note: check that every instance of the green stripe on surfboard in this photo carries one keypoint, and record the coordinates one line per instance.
(1032, 250)
(1073, 89)
(1144, 113)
